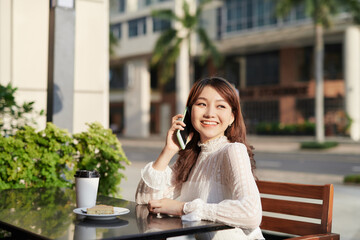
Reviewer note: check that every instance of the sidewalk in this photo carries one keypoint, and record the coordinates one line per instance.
(266, 144)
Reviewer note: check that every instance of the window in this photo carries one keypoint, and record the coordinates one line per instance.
(137, 27)
(248, 14)
(256, 112)
(122, 5)
(160, 24)
(262, 69)
(333, 62)
(146, 3)
(244, 15)
(116, 30)
(117, 77)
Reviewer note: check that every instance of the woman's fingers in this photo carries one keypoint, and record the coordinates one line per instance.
(177, 117)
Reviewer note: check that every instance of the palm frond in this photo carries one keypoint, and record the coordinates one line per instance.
(353, 6)
(284, 7)
(168, 60)
(113, 42)
(188, 20)
(166, 14)
(210, 51)
(162, 44)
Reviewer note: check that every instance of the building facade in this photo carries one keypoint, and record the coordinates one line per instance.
(268, 59)
(70, 35)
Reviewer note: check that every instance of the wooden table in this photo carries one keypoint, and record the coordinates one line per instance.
(47, 213)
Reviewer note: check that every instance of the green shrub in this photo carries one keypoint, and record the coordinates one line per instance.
(352, 178)
(14, 116)
(317, 145)
(275, 128)
(50, 157)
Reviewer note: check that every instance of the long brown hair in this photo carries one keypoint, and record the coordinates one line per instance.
(235, 133)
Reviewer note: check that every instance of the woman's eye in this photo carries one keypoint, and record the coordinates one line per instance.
(221, 106)
(201, 104)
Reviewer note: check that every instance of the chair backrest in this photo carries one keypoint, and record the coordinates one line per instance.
(298, 209)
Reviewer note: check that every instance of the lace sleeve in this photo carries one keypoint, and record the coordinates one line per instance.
(155, 184)
(244, 209)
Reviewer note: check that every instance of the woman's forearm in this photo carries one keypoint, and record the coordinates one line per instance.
(164, 158)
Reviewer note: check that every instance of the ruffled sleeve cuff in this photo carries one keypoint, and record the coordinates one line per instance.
(197, 210)
(158, 180)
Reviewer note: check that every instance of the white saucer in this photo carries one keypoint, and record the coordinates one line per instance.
(117, 212)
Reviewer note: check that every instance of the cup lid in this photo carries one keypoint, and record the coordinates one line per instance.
(87, 174)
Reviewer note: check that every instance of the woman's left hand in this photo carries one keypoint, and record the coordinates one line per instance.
(167, 206)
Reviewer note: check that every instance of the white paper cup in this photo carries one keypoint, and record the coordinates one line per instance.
(86, 185)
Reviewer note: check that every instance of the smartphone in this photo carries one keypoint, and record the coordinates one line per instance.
(182, 135)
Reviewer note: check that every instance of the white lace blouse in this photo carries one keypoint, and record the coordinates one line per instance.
(220, 188)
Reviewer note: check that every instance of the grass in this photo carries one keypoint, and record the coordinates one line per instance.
(355, 178)
(317, 145)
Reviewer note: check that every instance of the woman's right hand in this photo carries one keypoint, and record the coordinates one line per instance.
(171, 139)
(172, 145)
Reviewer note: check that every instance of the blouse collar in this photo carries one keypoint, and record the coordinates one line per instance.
(213, 145)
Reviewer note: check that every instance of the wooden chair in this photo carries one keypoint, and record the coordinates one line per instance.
(287, 210)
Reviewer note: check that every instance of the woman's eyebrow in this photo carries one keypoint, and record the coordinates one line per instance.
(217, 100)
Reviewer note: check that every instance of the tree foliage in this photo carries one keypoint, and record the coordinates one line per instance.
(167, 47)
(14, 116)
(49, 158)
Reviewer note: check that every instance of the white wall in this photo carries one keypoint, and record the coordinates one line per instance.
(352, 79)
(91, 99)
(24, 30)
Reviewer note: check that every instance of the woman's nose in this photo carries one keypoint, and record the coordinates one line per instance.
(209, 112)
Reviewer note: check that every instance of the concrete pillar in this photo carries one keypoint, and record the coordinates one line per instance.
(91, 75)
(182, 77)
(137, 99)
(5, 41)
(183, 62)
(62, 96)
(352, 79)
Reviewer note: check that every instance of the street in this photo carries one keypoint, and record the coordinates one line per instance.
(337, 164)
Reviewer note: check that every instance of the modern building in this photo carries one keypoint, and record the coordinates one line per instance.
(65, 41)
(268, 59)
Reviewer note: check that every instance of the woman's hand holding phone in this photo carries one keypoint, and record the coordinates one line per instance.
(172, 145)
(171, 140)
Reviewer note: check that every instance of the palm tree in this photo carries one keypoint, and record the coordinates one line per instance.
(113, 42)
(321, 12)
(176, 41)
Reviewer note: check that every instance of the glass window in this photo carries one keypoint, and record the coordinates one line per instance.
(122, 5)
(116, 30)
(333, 62)
(160, 24)
(262, 69)
(117, 77)
(256, 112)
(145, 3)
(137, 27)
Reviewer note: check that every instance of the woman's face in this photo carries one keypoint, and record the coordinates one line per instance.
(211, 114)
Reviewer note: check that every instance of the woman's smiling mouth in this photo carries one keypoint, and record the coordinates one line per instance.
(208, 123)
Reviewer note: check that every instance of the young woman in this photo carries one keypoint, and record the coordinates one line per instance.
(212, 178)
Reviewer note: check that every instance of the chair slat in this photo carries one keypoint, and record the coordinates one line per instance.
(302, 209)
(290, 226)
(291, 189)
(328, 198)
(298, 207)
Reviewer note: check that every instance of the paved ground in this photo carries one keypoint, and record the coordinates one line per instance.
(346, 213)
